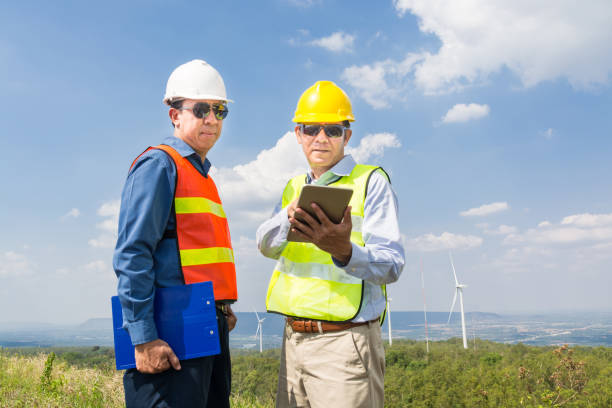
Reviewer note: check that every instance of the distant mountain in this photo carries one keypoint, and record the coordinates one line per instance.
(540, 329)
(99, 323)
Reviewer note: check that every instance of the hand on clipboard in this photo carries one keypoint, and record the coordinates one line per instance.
(321, 216)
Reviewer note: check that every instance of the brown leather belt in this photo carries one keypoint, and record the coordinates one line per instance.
(318, 326)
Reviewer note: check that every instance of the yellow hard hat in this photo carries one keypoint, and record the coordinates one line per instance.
(323, 102)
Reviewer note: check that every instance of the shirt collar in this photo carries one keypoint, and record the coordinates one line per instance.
(186, 151)
(341, 169)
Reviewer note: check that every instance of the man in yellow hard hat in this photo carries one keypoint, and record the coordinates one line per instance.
(332, 287)
(173, 231)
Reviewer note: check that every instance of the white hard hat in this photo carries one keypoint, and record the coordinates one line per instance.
(195, 79)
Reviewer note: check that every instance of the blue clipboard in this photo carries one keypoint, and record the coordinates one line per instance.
(185, 317)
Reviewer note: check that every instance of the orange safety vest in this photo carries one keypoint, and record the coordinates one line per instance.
(204, 243)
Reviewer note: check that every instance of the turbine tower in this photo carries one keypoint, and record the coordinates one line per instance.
(458, 289)
(389, 320)
(424, 306)
(259, 331)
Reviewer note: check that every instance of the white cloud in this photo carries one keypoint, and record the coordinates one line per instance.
(588, 220)
(560, 236)
(109, 209)
(381, 82)
(538, 41)
(445, 241)
(548, 133)
(373, 146)
(579, 229)
(73, 213)
(523, 260)
(300, 39)
(103, 241)
(96, 266)
(462, 112)
(499, 230)
(245, 249)
(337, 42)
(15, 264)
(249, 191)
(100, 270)
(257, 181)
(485, 209)
(504, 230)
(252, 273)
(108, 237)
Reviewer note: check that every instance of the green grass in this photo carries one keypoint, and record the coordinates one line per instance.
(493, 375)
(41, 380)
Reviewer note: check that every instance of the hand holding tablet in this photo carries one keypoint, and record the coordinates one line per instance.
(332, 200)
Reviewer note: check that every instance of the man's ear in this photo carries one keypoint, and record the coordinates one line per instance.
(173, 114)
(347, 135)
(298, 134)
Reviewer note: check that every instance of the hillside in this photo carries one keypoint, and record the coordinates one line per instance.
(577, 328)
(493, 375)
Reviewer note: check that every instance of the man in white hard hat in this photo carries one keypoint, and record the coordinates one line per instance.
(170, 208)
(332, 286)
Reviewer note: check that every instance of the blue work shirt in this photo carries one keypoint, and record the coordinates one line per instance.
(143, 258)
(379, 262)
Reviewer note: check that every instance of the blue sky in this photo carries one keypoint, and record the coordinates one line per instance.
(492, 119)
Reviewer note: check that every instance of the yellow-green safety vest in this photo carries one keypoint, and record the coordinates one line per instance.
(305, 282)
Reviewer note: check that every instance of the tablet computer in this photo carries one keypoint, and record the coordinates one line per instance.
(332, 200)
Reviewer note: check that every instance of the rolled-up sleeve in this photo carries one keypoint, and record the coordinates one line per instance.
(382, 258)
(146, 204)
(271, 236)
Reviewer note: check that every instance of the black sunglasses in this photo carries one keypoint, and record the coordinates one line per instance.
(202, 109)
(330, 130)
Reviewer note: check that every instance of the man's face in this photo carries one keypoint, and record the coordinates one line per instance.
(322, 151)
(200, 134)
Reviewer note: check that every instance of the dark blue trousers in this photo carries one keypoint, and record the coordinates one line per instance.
(202, 382)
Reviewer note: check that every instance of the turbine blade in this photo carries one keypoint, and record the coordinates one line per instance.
(452, 307)
(256, 314)
(257, 332)
(453, 265)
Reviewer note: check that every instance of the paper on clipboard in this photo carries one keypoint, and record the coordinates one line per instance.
(332, 200)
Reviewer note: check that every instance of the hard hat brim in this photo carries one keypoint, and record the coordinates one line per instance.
(322, 118)
(168, 100)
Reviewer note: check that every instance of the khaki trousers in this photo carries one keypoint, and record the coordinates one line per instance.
(343, 369)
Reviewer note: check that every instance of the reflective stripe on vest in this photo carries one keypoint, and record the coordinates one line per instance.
(305, 282)
(204, 243)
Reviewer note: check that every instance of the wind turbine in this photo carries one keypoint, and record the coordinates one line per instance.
(389, 320)
(424, 306)
(458, 289)
(473, 330)
(259, 331)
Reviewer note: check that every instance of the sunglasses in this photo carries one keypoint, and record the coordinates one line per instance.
(330, 130)
(202, 109)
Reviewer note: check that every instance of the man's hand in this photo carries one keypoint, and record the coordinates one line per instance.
(291, 209)
(230, 317)
(155, 356)
(329, 237)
